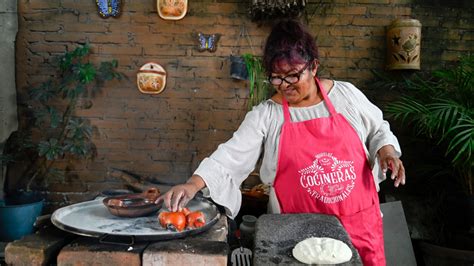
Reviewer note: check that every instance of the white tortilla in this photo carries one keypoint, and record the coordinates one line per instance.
(322, 250)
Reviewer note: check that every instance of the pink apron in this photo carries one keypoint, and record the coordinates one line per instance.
(323, 168)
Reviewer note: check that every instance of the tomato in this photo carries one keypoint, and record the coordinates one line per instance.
(186, 211)
(176, 219)
(182, 219)
(195, 220)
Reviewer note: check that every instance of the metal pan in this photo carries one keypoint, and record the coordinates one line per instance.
(92, 219)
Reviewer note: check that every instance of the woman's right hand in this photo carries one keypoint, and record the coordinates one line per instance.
(178, 196)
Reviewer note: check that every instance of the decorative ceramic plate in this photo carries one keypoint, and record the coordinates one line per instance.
(151, 78)
(172, 9)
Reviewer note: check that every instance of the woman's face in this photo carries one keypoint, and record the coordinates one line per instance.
(297, 82)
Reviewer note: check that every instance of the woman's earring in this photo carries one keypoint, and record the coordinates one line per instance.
(314, 66)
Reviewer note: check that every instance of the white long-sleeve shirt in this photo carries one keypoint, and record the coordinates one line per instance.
(232, 162)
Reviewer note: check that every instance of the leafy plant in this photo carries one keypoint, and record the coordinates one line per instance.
(440, 107)
(259, 89)
(55, 132)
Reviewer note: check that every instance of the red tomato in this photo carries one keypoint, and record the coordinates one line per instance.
(177, 219)
(195, 220)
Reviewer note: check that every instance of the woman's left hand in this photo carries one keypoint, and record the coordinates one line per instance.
(389, 160)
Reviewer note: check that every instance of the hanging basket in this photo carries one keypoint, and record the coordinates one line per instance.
(273, 9)
(238, 67)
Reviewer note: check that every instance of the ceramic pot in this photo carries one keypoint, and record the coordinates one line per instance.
(238, 69)
(247, 230)
(18, 215)
(403, 44)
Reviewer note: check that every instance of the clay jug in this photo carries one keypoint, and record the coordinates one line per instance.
(247, 230)
(403, 44)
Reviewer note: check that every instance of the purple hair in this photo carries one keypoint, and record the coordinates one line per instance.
(289, 42)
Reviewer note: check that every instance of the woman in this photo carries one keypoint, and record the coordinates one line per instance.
(322, 141)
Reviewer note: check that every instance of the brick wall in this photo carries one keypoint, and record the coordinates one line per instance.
(167, 135)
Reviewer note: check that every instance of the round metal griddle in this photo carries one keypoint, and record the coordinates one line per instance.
(91, 218)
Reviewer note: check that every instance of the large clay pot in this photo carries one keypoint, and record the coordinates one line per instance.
(18, 215)
(403, 44)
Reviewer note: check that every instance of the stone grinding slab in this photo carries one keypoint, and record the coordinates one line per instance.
(277, 234)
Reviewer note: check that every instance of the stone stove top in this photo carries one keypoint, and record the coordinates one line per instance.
(277, 234)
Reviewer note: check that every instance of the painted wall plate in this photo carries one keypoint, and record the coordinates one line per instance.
(172, 9)
(151, 78)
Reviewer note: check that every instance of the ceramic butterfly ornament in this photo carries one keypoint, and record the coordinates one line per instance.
(207, 42)
(172, 9)
(151, 78)
(108, 8)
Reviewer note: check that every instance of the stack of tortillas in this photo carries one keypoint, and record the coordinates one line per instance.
(322, 250)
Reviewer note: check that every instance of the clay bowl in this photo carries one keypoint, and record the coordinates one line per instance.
(131, 205)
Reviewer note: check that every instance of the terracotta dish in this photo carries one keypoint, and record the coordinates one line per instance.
(172, 9)
(133, 205)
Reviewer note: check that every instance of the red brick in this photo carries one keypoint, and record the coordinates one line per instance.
(350, 10)
(47, 48)
(396, 11)
(73, 198)
(186, 252)
(162, 50)
(67, 187)
(363, 21)
(113, 49)
(32, 5)
(40, 248)
(65, 37)
(88, 251)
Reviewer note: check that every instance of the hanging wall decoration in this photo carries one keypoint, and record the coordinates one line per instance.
(108, 8)
(172, 9)
(238, 67)
(207, 42)
(403, 44)
(151, 78)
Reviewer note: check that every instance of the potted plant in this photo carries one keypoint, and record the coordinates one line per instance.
(439, 107)
(259, 87)
(52, 132)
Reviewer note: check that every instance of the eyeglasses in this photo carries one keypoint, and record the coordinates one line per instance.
(290, 79)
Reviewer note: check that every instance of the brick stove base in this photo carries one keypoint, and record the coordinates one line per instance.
(51, 245)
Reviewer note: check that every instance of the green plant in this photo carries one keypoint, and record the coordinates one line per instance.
(440, 107)
(53, 131)
(259, 88)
